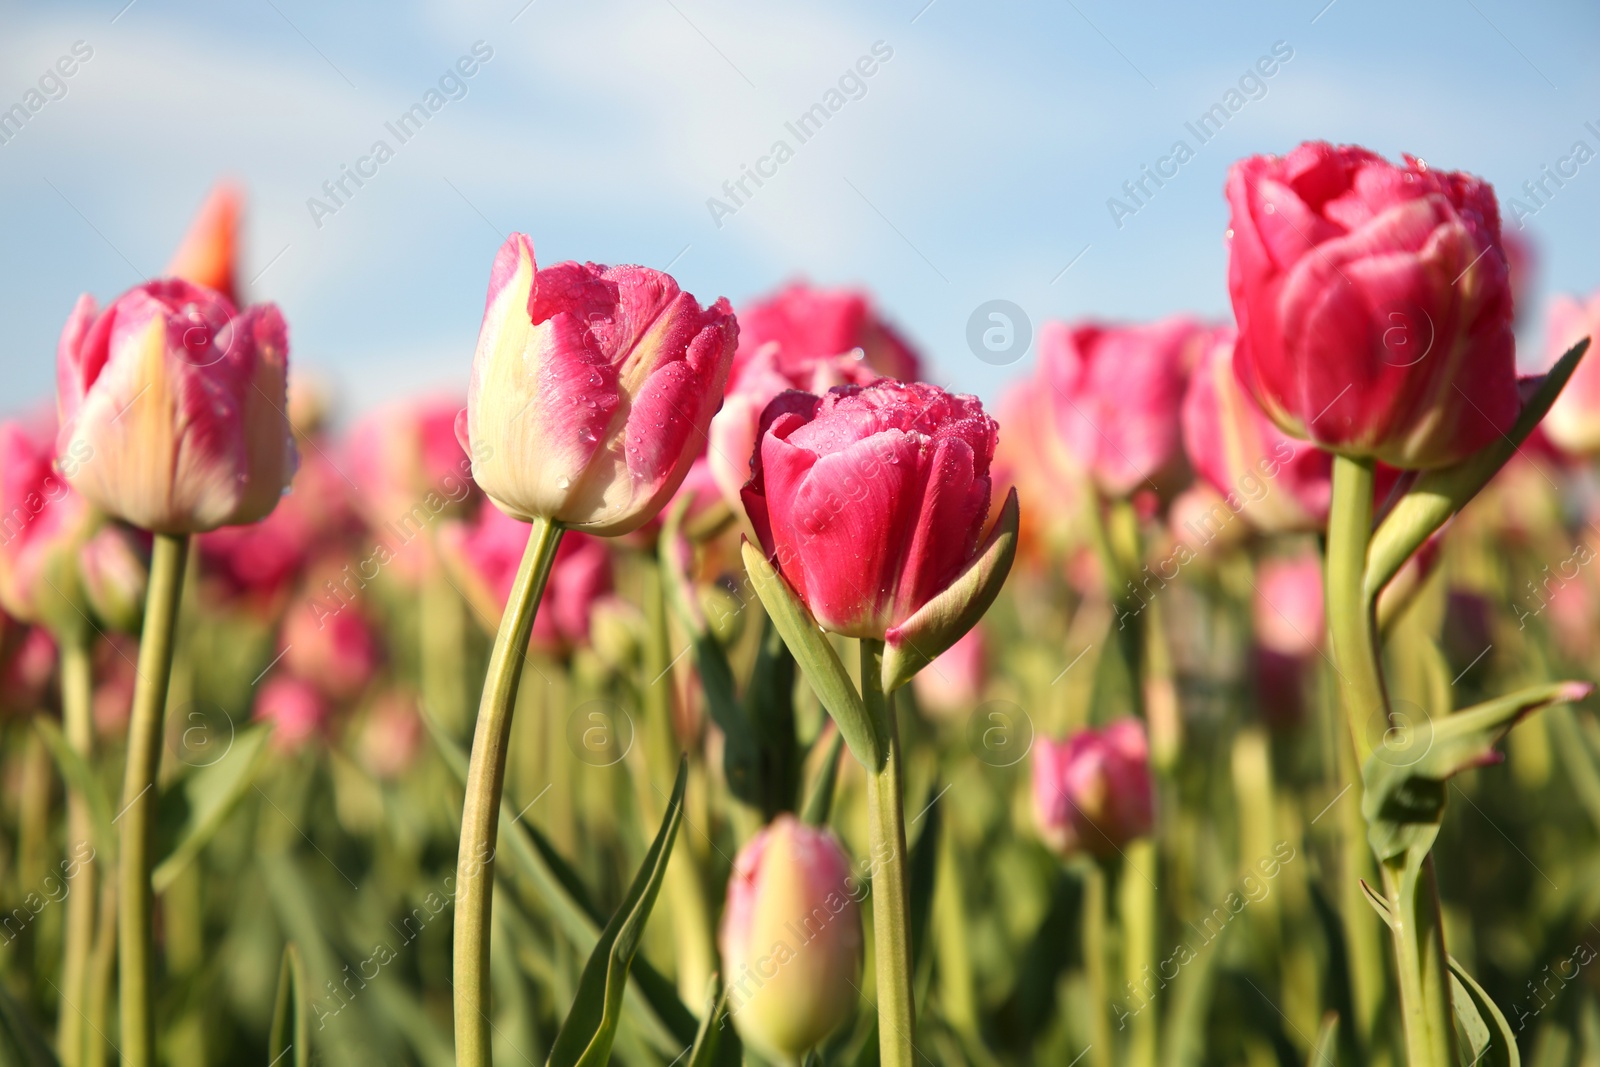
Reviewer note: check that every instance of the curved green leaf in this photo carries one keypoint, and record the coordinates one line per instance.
(81, 779)
(1489, 1037)
(291, 1013)
(585, 1037)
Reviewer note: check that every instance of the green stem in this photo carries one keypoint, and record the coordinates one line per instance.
(485, 783)
(77, 717)
(1094, 964)
(1416, 926)
(891, 899)
(1139, 963)
(138, 814)
(1355, 656)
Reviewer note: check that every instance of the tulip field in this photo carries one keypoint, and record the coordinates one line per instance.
(700, 683)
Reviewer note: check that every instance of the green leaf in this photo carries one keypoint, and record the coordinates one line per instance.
(1407, 775)
(571, 904)
(209, 796)
(1489, 1038)
(1439, 494)
(945, 619)
(769, 708)
(713, 1023)
(21, 1042)
(1324, 1052)
(817, 659)
(591, 1024)
(81, 779)
(291, 1013)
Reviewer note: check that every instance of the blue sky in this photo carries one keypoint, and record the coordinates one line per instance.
(975, 163)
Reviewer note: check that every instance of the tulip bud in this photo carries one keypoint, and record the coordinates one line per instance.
(1573, 423)
(953, 682)
(1116, 392)
(116, 572)
(172, 408)
(591, 389)
(392, 737)
(1288, 604)
(791, 939)
(1374, 304)
(1092, 792)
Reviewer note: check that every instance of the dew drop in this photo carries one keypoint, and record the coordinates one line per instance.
(1229, 235)
(563, 482)
(1270, 210)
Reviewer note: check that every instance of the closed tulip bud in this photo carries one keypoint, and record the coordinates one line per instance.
(801, 324)
(1374, 304)
(1573, 423)
(209, 254)
(871, 499)
(791, 939)
(591, 389)
(116, 573)
(172, 407)
(1281, 485)
(1092, 792)
(43, 524)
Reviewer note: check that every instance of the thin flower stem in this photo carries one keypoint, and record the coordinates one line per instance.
(77, 717)
(1415, 924)
(485, 784)
(1095, 963)
(891, 899)
(137, 816)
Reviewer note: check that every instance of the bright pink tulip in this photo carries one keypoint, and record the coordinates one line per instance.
(336, 651)
(294, 707)
(209, 254)
(173, 406)
(791, 938)
(754, 384)
(1573, 423)
(483, 557)
(1092, 792)
(1116, 393)
(801, 324)
(871, 499)
(1282, 485)
(43, 523)
(1032, 457)
(1374, 304)
(592, 388)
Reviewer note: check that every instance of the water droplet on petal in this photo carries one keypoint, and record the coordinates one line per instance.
(1270, 210)
(563, 482)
